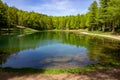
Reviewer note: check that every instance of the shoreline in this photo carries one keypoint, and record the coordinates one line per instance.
(80, 31)
(116, 37)
(99, 74)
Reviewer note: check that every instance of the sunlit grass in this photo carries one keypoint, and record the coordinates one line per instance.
(100, 32)
(29, 30)
(91, 67)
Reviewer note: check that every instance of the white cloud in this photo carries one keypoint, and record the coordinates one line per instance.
(56, 7)
(50, 7)
(84, 11)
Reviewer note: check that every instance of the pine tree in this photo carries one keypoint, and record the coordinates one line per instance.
(3, 15)
(114, 10)
(104, 16)
(93, 11)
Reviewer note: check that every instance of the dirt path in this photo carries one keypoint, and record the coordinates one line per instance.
(110, 74)
(117, 37)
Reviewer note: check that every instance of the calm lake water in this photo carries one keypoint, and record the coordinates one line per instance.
(56, 50)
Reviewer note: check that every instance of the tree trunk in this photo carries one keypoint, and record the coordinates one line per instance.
(103, 27)
(92, 28)
(113, 27)
(8, 28)
(0, 30)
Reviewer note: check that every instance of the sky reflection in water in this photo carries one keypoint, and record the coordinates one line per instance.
(56, 50)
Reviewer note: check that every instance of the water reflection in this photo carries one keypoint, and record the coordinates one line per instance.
(56, 50)
(50, 56)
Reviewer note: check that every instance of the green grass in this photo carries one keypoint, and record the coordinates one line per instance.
(29, 30)
(91, 67)
(17, 30)
(46, 71)
(100, 32)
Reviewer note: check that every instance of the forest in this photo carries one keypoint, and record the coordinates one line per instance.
(103, 16)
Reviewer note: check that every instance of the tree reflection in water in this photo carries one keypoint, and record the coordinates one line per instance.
(59, 48)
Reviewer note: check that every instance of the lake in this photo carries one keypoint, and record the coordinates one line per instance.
(56, 50)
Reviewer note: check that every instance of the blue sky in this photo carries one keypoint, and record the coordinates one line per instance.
(52, 7)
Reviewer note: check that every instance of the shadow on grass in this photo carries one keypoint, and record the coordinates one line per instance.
(99, 74)
(103, 74)
(87, 73)
(10, 73)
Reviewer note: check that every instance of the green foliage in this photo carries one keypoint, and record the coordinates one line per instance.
(93, 11)
(106, 17)
(3, 15)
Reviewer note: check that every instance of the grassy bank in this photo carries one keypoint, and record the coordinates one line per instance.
(29, 30)
(88, 68)
(108, 35)
(26, 30)
(18, 30)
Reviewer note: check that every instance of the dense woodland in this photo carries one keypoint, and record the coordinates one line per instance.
(102, 16)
